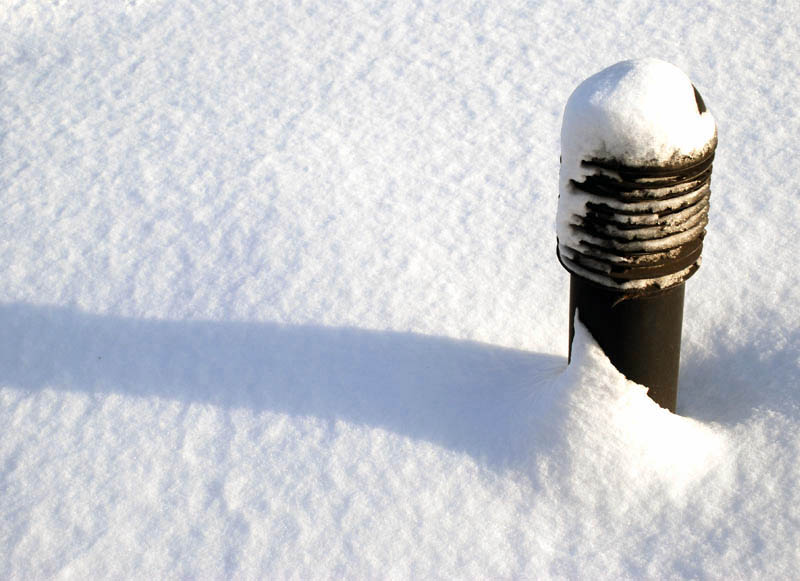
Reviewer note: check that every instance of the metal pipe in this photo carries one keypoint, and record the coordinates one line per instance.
(632, 224)
(640, 335)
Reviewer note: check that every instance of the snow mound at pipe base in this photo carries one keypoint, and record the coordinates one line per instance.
(592, 420)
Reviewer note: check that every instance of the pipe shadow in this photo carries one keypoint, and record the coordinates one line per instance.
(734, 382)
(462, 395)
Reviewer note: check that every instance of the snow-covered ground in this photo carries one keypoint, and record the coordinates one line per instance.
(279, 297)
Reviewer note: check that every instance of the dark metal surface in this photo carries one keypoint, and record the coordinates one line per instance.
(640, 335)
(701, 105)
(645, 224)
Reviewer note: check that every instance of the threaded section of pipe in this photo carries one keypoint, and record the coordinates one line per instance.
(640, 229)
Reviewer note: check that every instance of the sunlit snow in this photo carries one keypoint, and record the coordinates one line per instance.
(280, 297)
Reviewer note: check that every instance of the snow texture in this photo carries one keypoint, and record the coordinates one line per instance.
(280, 299)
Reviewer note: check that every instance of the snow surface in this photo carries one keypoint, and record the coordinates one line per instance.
(280, 297)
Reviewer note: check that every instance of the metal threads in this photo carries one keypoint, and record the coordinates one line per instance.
(642, 228)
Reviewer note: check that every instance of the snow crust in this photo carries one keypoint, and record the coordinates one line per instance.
(279, 298)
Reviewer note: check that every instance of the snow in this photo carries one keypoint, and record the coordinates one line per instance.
(280, 297)
(638, 112)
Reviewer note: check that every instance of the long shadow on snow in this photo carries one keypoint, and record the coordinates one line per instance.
(463, 395)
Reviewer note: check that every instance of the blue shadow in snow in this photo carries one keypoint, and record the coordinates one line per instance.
(462, 395)
(729, 384)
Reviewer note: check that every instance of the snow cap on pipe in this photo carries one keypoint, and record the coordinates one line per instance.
(637, 143)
